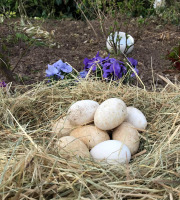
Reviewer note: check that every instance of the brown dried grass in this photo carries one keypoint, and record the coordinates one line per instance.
(32, 169)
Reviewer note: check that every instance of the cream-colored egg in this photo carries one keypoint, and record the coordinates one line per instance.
(110, 114)
(128, 135)
(90, 135)
(112, 152)
(62, 127)
(71, 146)
(82, 112)
(136, 118)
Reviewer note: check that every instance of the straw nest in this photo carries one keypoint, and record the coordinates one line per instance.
(32, 169)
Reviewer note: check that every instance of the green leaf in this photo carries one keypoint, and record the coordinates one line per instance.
(58, 2)
(35, 2)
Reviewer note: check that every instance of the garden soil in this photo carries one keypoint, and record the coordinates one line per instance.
(76, 40)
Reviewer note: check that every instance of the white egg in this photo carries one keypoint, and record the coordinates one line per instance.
(110, 114)
(121, 41)
(136, 118)
(82, 112)
(112, 152)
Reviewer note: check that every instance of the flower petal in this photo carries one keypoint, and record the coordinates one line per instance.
(86, 60)
(60, 76)
(133, 62)
(58, 64)
(66, 68)
(3, 84)
(133, 74)
(106, 74)
(83, 74)
(51, 71)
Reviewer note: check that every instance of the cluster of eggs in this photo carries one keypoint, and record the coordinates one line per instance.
(107, 132)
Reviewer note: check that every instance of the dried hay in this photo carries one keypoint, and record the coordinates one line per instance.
(32, 169)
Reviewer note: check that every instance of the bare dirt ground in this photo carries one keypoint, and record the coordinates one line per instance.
(75, 40)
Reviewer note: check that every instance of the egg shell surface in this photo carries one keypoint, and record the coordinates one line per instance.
(111, 151)
(69, 145)
(120, 41)
(90, 135)
(136, 118)
(62, 127)
(128, 135)
(110, 114)
(82, 112)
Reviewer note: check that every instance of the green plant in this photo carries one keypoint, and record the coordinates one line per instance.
(86, 9)
(49, 9)
(131, 8)
(174, 56)
(136, 8)
(170, 13)
(29, 40)
(8, 8)
(21, 37)
(38, 8)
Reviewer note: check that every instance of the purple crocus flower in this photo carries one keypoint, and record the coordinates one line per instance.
(64, 67)
(119, 69)
(134, 63)
(108, 68)
(3, 84)
(114, 68)
(51, 71)
(58, 69)
(59, 75)
(136, 70)
(88, 63)
(105, 59)
(83, 74)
